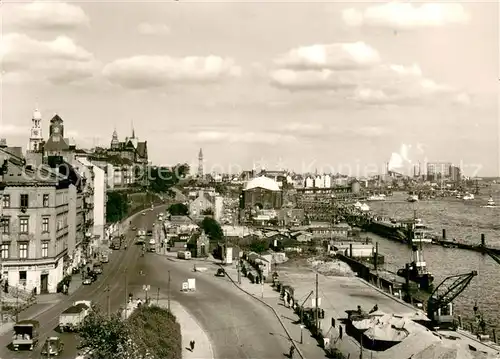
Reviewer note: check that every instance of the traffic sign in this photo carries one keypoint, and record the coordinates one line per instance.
(146, 287)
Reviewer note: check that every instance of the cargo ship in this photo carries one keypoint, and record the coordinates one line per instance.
(387, 229)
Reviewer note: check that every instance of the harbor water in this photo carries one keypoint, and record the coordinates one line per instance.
(464, 221)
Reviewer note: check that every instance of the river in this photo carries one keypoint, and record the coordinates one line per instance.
(463, 220)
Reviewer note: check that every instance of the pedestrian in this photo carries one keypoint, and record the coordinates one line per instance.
(191, 344)
(292, 350)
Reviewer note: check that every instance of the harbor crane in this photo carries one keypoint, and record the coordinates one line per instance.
(492, 254)
(439, 305)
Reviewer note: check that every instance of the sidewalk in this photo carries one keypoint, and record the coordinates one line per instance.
(190, 330)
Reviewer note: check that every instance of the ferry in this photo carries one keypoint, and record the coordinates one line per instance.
(377, 197)
(412, 198)
(468, 197)
(421, 233)
(491, 203)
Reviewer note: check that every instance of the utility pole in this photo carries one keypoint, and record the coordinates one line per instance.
(316, 316)
(17, 303)
(169, 291)
(158, 296)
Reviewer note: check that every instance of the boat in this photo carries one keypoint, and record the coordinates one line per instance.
(421, 233)
(377, 197)
(416, 271)
(468, 197)
(490, 204)
(387, 229)
(412, 198)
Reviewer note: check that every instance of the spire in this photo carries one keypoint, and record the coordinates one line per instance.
(200, 154)
(133, 130)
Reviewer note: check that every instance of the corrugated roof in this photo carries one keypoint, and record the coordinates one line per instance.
(262, 182)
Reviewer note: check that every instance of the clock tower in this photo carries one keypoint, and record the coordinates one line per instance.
(36, 138)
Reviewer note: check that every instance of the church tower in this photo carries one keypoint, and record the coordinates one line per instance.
(200, 164)
(115, 142)
(36, 138)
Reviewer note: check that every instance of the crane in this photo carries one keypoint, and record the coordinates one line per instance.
(492, 254)
(443, 296)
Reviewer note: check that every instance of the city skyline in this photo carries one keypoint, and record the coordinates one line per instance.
(360, 85)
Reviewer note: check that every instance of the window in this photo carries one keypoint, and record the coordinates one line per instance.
(6, 201)
(23, 250)
(5, 225)
(22, 277)
(45, 249)
(24, 200)
(45, 200)
(23, 225)
(45, 224)
(5, 251)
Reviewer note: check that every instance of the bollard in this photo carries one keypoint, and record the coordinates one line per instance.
(483, 240)
(494, 336)
(444, 233)
(350, 250)
(460, 321)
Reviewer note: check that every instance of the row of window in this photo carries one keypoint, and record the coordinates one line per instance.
(22, 250)
(24, 200)
(24, 225)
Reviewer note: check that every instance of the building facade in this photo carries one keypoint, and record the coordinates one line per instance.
(35, 227)
(261, 192)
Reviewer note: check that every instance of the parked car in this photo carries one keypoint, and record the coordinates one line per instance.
(87, 281)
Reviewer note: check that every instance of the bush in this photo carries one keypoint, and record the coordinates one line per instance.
(178, 209)
(156, 331)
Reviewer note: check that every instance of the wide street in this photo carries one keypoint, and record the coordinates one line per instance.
(238, 326)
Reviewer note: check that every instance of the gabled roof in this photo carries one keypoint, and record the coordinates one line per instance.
(56, 119)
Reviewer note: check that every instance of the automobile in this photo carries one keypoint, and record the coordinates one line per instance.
(53, 346)
(143, 213)
(87, 281)
(134, 228)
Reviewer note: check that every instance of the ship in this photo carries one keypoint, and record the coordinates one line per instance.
(412, 198)
(387, 229)
(468, 197)
(421, 233)
(377, 197)
(490, 204)
(416, 271)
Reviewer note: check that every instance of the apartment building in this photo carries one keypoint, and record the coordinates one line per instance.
(35, 226)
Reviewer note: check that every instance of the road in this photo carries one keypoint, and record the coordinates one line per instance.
(237, 325)
(113, 277)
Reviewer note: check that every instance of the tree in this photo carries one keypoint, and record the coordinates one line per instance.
(155, 331)
(116, 206)
(212, 228)
(162, 179)
(259, 246)
(105, 337)
(150, 332)
(178, 209)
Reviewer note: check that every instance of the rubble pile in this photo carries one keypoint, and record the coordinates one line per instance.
(331, 268)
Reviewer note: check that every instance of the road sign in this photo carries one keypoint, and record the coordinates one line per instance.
(146, 287)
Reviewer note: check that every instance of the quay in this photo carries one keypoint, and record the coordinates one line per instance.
(398, 231)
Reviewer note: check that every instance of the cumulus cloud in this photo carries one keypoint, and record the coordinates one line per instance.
(58, 61)
(153, 29)
(143, 72)
(339, 56)
(406, 16)
(44, 15)
(366, 79)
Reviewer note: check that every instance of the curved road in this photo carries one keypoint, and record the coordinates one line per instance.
(238, 326)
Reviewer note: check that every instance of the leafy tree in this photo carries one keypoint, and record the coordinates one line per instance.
(155, 331)
(116, 206)
(161, 179)
(259, 246)
(178, 209)
(208, 212)
(212, 228)
(104, 337)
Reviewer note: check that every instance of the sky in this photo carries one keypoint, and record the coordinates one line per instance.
(327, 86)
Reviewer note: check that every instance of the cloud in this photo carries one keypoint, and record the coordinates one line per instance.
(143, 72)
(318, 130)
(13, 130)
(406, 16)
(153, 29)
(44, 15)
(58, 61)
(241, 137)
(364, 78)
(339, 56)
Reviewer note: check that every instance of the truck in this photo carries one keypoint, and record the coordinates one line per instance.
(72, 317)
(152, 245)
(184, 255)
(141, 236)
(25, 334)
(97, 267)
(116, 243)
(104, 258)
